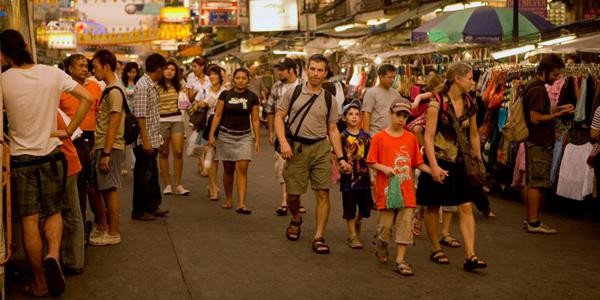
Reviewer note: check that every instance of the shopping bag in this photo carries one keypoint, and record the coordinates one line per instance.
(394, 199)
(192, 148)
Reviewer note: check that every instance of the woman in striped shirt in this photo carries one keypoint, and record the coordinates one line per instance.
(171, 128)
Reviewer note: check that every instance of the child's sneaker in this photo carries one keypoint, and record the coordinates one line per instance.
(403, 268)
(354, 242)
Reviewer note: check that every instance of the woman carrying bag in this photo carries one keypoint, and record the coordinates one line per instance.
(452, 143)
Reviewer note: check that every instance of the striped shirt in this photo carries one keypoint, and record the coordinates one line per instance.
(145, 105)
(168, 101)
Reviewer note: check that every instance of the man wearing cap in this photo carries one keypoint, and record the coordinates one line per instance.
(308, 153)
(288, 79)
(377, 101)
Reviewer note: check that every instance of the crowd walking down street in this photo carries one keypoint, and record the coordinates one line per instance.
(386, 175)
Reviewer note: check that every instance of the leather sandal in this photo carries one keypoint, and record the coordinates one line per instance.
(290, 233)
(439, 257)
(319, 246)
(450, 242)
(473, 263)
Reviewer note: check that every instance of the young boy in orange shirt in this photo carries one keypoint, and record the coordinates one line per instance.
(395, 152)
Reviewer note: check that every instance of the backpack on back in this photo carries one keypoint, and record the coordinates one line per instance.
(515, 129)
(132, 128)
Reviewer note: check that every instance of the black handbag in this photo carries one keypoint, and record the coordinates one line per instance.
(206, 131)
(198, 118)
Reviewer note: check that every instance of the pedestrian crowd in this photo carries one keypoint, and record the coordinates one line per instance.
(72, 140)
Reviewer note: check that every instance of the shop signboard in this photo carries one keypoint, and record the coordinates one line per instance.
(174, 14)
(61, 40)
(119, 16)
(538, 7)
(282, 15)
(219, 13)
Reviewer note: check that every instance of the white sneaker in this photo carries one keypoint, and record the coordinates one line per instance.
(95, 233)
(541, 229)
(106, 239)
(168, 190)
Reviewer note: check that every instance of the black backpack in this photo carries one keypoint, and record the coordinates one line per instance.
(132, 128)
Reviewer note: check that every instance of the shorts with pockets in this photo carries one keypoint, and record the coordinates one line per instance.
(538, 165)
(309, 163)
(363, 199)
(38, 187)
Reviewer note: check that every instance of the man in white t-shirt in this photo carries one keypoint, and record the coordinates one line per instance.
(31, 96)
(377, 101)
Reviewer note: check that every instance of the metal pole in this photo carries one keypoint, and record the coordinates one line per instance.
(516, 22)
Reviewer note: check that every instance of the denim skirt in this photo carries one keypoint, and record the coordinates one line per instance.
(234, 147)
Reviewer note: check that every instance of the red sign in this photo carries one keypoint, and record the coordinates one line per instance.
(538, 7)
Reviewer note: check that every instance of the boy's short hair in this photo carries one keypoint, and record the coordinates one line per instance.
(384, 69)
(154, 62)
(353, 104)
(106, 57)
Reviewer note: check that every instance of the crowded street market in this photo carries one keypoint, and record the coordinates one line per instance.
(164, 149)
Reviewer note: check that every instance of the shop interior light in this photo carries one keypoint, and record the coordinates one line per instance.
(557, 41)
(375, 22)
(460, 6)
(288, 52)
(378, 60)
(347, 43)
(513, 51)
(344, 27)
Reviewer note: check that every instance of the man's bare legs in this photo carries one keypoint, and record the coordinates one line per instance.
(113, 203)
(322, 211)
(32, 240)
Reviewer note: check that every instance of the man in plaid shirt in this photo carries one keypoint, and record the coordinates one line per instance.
(146, 189)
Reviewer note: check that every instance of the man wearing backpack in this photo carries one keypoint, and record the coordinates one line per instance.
(378, 99)
(540, 116)
(108, 152)
(308, 156)
(146, 189)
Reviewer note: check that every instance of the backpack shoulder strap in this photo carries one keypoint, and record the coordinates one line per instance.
(108, 89)
(328, 100)
(295, 95)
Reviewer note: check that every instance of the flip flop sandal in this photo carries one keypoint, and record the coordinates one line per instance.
(282, 211)
(319, 246)
(473, 263)
(54, 277)
(439, 257)
(226, 206)
(289, 232)
(302, 210)
(450, 242)
(243, 211)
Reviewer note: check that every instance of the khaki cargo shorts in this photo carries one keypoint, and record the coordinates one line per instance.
(538, 167)
(312, 163)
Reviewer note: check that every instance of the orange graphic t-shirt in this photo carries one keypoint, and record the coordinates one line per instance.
(403, 155)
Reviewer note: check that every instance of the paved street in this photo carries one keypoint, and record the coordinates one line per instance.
(201, 251)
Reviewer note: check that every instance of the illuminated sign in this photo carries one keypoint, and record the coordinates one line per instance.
(118, 16)
(219, 13)
(174, 14)
(282, 15)
(64, 40)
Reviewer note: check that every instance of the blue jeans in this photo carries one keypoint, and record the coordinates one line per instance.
(146, 189)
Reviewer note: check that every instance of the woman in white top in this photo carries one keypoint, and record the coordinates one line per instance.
(197, 81)
(209, 102)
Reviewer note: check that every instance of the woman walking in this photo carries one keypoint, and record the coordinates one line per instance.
(236, 120)
(450, 123)
(131, 74)
(209, 103)
(171, 128)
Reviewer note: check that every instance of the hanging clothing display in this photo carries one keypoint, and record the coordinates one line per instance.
(575, 178)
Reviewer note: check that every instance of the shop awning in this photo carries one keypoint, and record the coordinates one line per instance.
(588, 44)
(195, 50)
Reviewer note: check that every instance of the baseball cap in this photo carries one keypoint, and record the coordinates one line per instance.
(286, 64)
(400, 105)
(354, 103)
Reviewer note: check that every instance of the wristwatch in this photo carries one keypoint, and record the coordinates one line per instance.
(104, 154)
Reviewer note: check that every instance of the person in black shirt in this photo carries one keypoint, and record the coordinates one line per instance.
(235, 121)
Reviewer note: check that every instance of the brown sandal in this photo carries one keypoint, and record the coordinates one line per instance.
(450, 242)
(319, 246)
(290, 233)
(439, 257)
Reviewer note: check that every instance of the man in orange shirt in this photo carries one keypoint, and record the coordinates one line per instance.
(76, 65)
